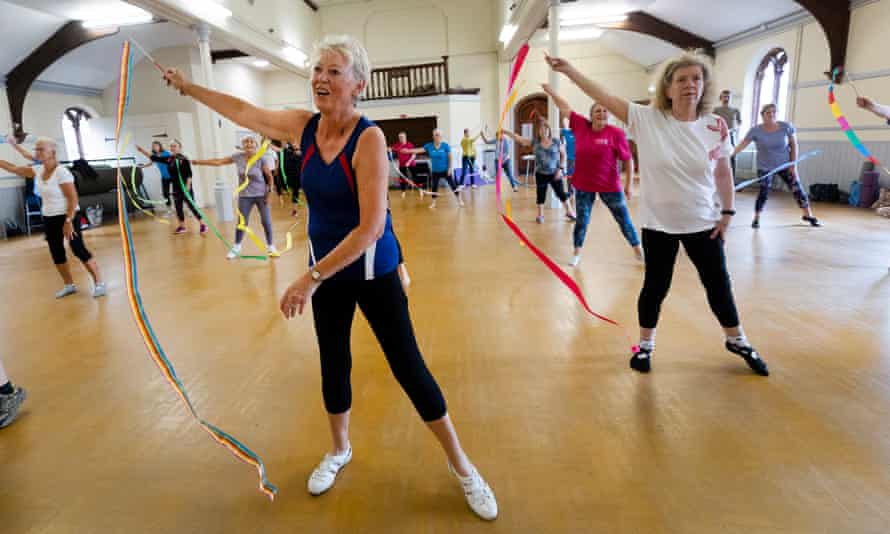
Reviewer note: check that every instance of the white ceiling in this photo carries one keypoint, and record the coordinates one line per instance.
(93, 65)
(713, 20)
(718, 19)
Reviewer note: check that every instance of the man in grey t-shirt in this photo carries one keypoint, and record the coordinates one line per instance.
(733, 119)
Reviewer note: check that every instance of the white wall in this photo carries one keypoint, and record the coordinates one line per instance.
(42, 116)
(285, 89)
(398, 32)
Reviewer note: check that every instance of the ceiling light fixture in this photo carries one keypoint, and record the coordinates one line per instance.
(585, 21)
(260, 63)
(209, 10)
(507, 33)
(295, 55)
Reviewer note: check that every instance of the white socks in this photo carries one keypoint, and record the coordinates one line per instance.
(647, 345)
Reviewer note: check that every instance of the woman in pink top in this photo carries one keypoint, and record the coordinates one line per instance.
(407, 161)
(598, 148)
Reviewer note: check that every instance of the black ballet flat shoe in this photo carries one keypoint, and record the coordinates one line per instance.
(641, 361)
(812, 220)
(754, 361)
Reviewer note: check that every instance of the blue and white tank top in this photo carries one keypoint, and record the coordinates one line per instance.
(332, 195)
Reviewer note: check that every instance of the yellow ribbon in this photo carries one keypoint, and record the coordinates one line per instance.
(242, 223)
(133, 182)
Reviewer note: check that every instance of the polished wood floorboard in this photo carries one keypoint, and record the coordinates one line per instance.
(569, 438)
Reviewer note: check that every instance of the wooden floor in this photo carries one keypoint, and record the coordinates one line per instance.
(569, 438)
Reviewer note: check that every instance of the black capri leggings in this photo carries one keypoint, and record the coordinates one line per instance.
(55, 238)
(179, 198)
(385, 306)
(440, 175)
(543, 180)
(660, 250)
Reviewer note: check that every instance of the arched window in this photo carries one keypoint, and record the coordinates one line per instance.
(770, 84)
(75, 128)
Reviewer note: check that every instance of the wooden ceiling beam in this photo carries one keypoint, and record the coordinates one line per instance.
(641, 22)
(19, 79)
(834, 17)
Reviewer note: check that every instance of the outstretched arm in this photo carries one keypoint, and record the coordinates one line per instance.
(878, 109)
(19, 148)
(560, 102)
(524, 141)
(215, 162)
(616, 105)
(24, 172)
(285, 125)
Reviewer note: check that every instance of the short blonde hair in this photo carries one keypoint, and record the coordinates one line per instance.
(51, 143)
(348, 47)
(666, 76)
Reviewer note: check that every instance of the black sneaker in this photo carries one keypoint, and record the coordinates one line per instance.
(812, 220)
(755, 223)
(754, 361)
(641, 361)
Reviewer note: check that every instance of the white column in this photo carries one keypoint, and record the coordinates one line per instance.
(222, 188)
(552, 110)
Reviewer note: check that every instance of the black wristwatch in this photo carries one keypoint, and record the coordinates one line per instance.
(728, 212)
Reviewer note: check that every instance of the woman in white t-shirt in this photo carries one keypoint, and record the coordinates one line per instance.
(686, 193)
(61, 217)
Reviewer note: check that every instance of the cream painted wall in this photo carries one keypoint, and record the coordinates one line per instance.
(285, 89)
(42, 116)
(464, 30)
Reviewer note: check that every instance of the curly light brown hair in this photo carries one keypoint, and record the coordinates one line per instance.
(666, 76)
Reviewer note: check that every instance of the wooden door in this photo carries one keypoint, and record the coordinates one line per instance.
(529, 110)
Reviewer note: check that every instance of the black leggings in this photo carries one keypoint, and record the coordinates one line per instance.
(543, 180)
(55, 238)
(179, 198)
(438, 176)
(793, 183)
(706, 254)
(165, 189)
(385, 306)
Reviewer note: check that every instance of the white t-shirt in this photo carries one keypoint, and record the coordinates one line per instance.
(678, 194)
(54, 201)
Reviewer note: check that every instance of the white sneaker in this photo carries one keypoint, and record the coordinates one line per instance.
(322, 479)
(433, 205)
(69, 289)
(460, 202)
(574, 261)
(480, 498)
(272, 251)
(234, 253)
(99, 290)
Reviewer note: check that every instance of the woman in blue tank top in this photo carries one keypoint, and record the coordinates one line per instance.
(353, 251)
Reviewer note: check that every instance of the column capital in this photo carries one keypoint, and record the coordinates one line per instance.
(202, 29)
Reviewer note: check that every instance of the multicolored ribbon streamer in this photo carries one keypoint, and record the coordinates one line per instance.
(507, 217)
(845, 124)
(780, 168)
(148, 335)
(123, 92)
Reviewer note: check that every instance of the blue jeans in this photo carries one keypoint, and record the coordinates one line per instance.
(616, 204)
(506, 166)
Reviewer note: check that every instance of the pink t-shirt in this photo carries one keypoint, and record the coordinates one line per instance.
(403, 158)
(597, 155)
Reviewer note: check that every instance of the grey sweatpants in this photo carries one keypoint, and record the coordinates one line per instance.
(245, 205)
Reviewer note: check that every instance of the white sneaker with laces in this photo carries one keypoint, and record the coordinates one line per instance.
(272, 251)
(479, 496)
(322, 479)
(234, 253)
(99, 290)
(69, 289)
(574, 261)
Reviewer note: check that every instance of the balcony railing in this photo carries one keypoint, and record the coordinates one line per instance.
(408, 81)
